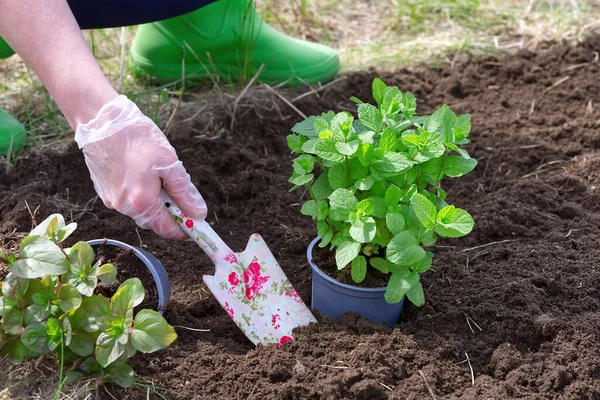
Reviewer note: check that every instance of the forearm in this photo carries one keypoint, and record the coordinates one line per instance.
(46, 35)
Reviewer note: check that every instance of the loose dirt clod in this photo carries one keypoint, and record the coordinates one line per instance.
(535, 292)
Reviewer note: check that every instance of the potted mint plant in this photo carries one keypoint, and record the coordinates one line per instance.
(50, 303)
(374, 188)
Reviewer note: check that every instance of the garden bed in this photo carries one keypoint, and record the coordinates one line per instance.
(520, 295)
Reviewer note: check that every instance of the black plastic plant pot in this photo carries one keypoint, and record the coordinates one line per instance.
(332, 298)
(155, 267)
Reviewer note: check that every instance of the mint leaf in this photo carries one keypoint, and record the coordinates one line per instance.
(364, 231)
(342, 202)
(346, 252)
(129, 295)
(448, 123)
(387, 142)
(82, 343)
(12, 321)
(394, 222)
(151, 332)
(370, 116)
(120, 373)
(321, 188)
(378, 87)
(310, 209)
(399, 284)
(328, 151)
(393, 195)
(424, 264)
(347, 149)
(435, 120)
(320, 125)
(109, 347)
(365, 154)
(35, 337)
(302, 179)
(457, 166)
(107, 273)
(14, 350)
(365, 207)
(70, 298)
(359, 269)
(304, 164)
(380, 264)
(415, 294)
(463, 153)
(453, 222)
(424, 210)
(365, 184)
(398, 245)
(306, 127)
(393, 162)
(310, 145)
(338, 176)
(295, 143)
(461, 132)
(39, 256)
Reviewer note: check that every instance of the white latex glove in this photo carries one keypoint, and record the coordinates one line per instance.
(129, 158)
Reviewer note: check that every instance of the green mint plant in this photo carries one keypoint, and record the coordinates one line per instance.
(50, 304)
(375, 185)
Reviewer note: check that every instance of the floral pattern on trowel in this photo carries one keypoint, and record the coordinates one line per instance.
(250, 286)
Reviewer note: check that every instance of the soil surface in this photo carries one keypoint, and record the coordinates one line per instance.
(128, 266)
(512, 310)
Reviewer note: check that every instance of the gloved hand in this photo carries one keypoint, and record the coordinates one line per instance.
(129, 158)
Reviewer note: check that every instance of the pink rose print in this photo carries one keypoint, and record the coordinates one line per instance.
(234, 279)
(284, 340)
(275, 320)
(229, 310)
(294, 295)
(231, 258)
(253, 280)
(189, 223)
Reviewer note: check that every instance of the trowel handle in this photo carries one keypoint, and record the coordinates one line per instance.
(200, 231)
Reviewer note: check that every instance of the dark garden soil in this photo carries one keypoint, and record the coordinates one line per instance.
(128, 266)
(520, 295)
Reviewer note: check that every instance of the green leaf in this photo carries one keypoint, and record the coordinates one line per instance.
(66, 231)
(82, 343)
(338, 176)
(359, 269)
(310, 145)
(424, 264)
(365, 154)
(54, 332)
(304, 164)
(306, 127)
(424, 210)
(35, 337)
(321, 188)
(347, 149)
(365, 184)
(393, 195)
(70, 297)
(302, 179)
(457, 166)
(448, 123)
(107, 274)
(435, 120)
(365, 207)
(129, 295)
(415, 294)
(15, 351)
(461, 132)
(151, 332)
(12, 321)
(342, 202)
(328, 151)
(39, 256)
(463, 153)
(37, 313)
(387, 142)
(295, 143)
(109, 348)
(453, 222)
(401, 242)
(370, 116)
(380, 264)
(120, 373)
(89, 313)
(346, 252)
(321, 125)
(82, 254)
(48, 226)
(393, 162)
(365, 231)
(399, 285)
(378, 90)
(309, 208)
(394, 222)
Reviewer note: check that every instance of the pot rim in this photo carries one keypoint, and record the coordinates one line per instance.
(328, 278)
(161, 279)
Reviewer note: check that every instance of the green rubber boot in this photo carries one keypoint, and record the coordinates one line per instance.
(229, 39)
(12, 134)
(5, 50)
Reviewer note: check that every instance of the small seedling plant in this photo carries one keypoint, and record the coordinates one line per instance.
(375, 185)
(50, 303)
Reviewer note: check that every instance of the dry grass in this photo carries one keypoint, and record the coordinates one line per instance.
(386, 34)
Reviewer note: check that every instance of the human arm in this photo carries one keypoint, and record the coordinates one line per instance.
(129, 158)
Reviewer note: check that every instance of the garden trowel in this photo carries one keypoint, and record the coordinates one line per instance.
(250, 286)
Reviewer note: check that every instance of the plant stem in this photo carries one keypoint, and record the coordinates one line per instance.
(439, 176)
(61, 381)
